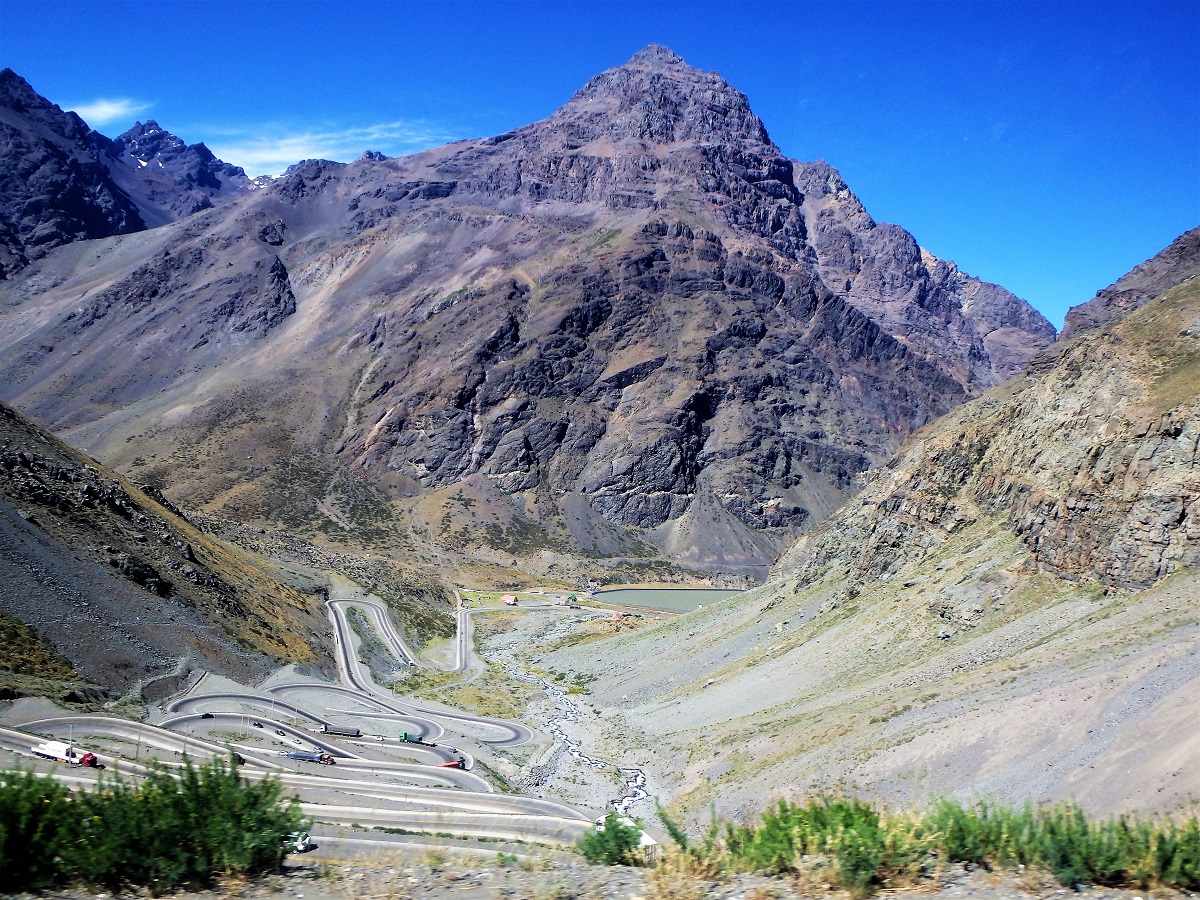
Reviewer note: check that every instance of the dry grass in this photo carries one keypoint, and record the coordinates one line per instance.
(679, 876)
(492, 694)
(24, 652)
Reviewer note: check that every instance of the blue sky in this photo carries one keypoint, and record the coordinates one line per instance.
(1048, 147)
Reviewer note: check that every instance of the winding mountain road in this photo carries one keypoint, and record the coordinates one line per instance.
(449, 800)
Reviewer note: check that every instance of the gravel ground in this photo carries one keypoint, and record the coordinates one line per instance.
(427, 874)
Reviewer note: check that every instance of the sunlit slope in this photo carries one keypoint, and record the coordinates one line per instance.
(1010, 609)
(123, 586)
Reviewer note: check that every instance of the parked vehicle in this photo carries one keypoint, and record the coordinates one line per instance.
(299, 841)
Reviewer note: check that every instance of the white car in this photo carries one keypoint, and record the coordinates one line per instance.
(298, 840)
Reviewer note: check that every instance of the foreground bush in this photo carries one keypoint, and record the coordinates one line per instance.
(856, 847)
(1116, 852)
(160, 832)
(616, 844)
(33, 839)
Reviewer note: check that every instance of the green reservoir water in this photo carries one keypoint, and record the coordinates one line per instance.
(674, 599)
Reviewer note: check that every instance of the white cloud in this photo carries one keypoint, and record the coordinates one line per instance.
(105, 110)
(271, 149)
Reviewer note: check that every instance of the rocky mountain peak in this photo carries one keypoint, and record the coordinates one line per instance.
(658, 97)
(656, 55)
(146, 140)
(149, 141)
(637, 313)
(64, 182)
(16, 90)
(167, 176)
(139, 129)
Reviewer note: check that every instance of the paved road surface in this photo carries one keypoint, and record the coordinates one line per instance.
(357, 789)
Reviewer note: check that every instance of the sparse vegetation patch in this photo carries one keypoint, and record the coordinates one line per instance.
(858, 848)
(24, 652)
(162, 832)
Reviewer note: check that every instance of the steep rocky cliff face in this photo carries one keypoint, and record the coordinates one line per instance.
(1091, 460)
(62, 182)
(53, 189)
(1010, 610)
(634, 328)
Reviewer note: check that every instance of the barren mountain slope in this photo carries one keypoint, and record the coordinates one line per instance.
(1010, 610)
(631, 329)
(125, 588)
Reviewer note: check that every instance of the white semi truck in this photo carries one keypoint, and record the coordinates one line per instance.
(60, 751)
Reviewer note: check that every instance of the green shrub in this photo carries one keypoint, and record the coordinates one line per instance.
(1125, 851)
(860, 848)
(615, 844)
(863, 848)
(1122, 851)
(160, 832)
(983, 834)
(38, 828)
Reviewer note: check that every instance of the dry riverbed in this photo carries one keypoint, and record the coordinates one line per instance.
(588, 765)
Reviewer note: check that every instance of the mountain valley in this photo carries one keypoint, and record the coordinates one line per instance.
(1010, 609)
(309, 430)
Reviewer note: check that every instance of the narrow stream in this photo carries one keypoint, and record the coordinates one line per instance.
(567, 711)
